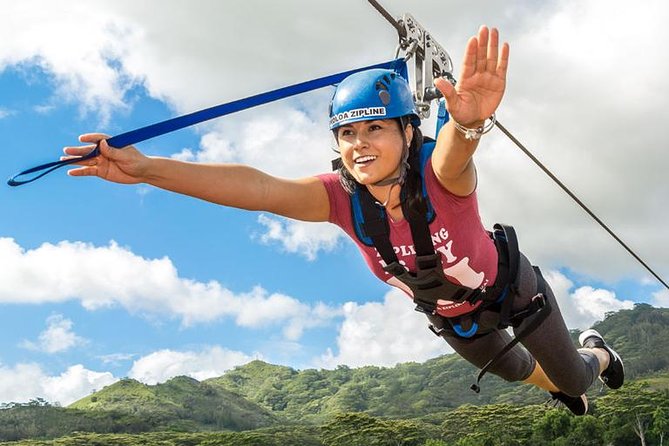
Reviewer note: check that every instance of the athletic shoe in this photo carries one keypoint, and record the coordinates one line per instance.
(614, 375)
(578, 405)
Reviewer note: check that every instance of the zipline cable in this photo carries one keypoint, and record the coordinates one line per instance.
(400, 30)
(576, 199)
(402, 33)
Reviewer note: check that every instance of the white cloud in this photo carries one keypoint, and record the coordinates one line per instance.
(44, 109)
(210, 362)
(570, 104)
(4, 113)
(86, 71)
(661, 298)
(127, 43)
(116, 358)
(284, 142)
(58, 336)
(384, 334)
(584, 306)
(278, 139)
(25, 382)
(114, 276)
(303, 238)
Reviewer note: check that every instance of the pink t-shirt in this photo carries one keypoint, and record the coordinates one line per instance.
(467, 253)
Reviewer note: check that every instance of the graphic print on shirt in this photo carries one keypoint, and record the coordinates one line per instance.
(458, 269)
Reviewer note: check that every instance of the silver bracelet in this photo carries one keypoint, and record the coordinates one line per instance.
(475, 133)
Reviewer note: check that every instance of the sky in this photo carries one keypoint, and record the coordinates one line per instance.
(100, 281)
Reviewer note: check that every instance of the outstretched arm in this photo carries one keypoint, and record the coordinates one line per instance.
(226, 184)
(475, 98)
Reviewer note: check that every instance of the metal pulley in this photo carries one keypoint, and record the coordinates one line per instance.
(431, 61)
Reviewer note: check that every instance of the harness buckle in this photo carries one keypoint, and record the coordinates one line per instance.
(428, 262)
(395, 268)
(537, 304)
(425, 308)
(435, 330)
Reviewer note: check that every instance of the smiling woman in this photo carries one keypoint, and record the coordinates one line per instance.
(471, 283)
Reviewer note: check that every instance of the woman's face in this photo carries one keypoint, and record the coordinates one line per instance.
(372, 150)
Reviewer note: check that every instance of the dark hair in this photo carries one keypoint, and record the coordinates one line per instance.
(414, 179)
(413, 183)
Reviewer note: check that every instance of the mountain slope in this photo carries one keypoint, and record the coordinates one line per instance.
(181, 403)
(442, 383)
(257, 393)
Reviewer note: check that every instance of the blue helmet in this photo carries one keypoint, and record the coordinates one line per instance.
(372, 94)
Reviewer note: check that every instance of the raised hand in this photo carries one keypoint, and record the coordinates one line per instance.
(127, 165)
(480, 88)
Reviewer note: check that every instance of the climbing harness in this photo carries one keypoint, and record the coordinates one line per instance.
(457, 306)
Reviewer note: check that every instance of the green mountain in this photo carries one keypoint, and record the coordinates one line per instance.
(181, 403)
(274, 401)
(411, 390)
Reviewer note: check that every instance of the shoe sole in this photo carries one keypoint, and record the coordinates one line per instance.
(619, 376)
(578, 411)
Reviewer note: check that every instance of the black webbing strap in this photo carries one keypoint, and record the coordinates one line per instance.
(507, 246)
(539, 307)
(375, 226)
(416, 216)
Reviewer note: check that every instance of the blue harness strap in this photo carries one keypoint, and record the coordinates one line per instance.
(442, 117)
(180, 122)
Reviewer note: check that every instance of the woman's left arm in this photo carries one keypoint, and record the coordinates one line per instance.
(475, 98)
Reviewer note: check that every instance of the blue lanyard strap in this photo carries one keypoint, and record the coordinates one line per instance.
(180, 122)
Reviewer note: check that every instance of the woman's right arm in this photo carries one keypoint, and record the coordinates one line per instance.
(226, 184)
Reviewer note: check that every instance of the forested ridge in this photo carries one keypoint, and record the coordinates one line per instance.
(410, 404)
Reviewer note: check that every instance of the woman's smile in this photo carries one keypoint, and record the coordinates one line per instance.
(364, 160)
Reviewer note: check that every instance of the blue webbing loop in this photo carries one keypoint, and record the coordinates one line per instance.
(466, 334)
(180, 122)
(49, 167)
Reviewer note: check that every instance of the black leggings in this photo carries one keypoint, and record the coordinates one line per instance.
(571, 370)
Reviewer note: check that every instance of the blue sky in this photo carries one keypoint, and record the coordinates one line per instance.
(101, 281)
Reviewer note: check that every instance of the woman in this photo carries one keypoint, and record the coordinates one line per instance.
(376, 127)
